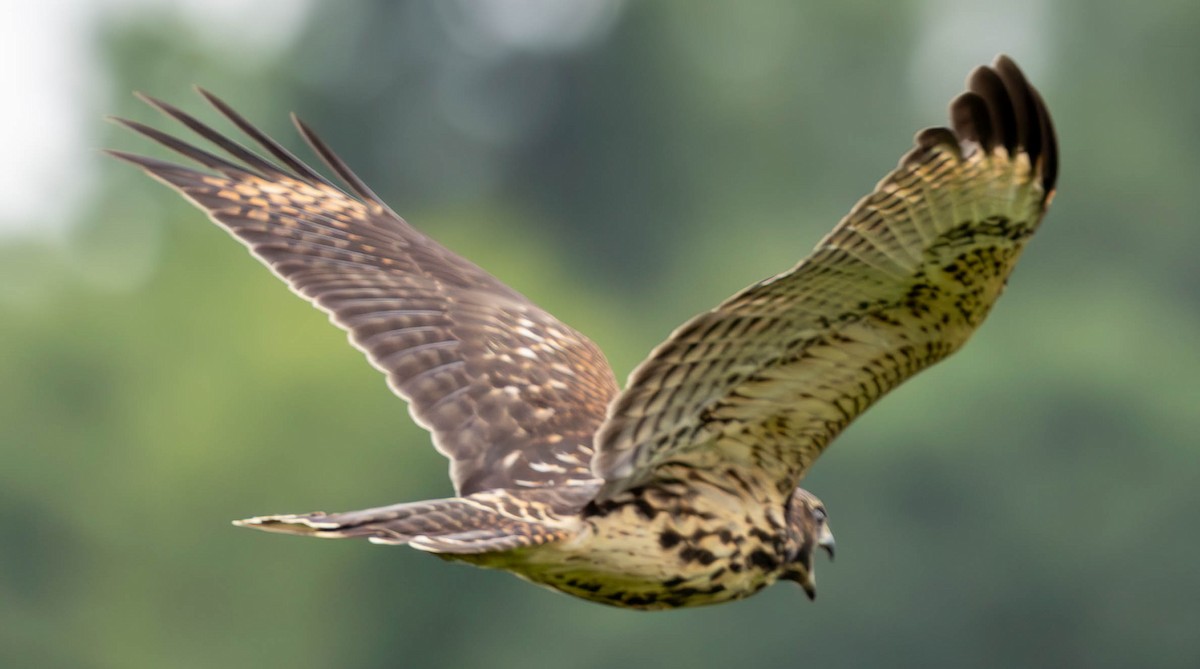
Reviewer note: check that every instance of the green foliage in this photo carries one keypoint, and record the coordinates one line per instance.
(1030, 503)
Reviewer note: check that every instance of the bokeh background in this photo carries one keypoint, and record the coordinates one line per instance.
(1033, 502)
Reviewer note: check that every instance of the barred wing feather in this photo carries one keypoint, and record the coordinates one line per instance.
(761, 384)
(512, 396)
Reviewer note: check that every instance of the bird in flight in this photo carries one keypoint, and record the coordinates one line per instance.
(682, 489)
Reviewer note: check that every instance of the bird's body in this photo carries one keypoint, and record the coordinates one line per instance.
(680, 490)
(687, 544)
(654, 550)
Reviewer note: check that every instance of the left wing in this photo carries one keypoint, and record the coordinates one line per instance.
(511, 395)
(765, 381)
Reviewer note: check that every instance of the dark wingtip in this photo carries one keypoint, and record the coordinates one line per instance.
(333, 162)
(149, 99)
(986, 83)
(972, 121)
(125, 155)
(1050, 148)
(205, 158)
(273, 147)
(1034, 126)
(1001, 108)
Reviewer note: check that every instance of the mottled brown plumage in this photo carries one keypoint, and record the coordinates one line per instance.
(681, 490)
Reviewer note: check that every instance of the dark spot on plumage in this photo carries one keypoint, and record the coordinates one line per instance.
(736, 567)
(644, 508)
(672, 582)
(600, 508)
(718, 574)
(886, 320)
(716, 589)
(669, 538)
(763, 560)
(701, 555)
(725, 536)
(641, 600)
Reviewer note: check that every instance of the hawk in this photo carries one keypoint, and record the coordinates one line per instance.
(681, 490)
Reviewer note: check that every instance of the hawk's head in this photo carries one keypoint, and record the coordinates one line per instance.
(809, 527)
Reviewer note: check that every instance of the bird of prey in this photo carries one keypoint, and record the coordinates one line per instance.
(682, 489)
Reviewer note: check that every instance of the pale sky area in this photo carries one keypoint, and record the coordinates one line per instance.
(55, 80)
(55, 85)
(957, 32)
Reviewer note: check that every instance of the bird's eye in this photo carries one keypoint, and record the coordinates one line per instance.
(819, 514)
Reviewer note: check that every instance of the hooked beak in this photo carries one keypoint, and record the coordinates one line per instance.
(826, 541)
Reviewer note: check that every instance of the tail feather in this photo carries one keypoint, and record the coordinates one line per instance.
(482, 541)
(453, 525)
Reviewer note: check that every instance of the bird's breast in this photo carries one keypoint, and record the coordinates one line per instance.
(652, 550)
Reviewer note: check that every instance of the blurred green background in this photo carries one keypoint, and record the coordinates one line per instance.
(1033, 502)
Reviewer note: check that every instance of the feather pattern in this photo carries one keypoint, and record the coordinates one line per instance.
(767, 379)
(512, 396)
(682, 490)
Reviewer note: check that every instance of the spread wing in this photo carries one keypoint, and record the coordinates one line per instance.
(512, 396)
(761, 384)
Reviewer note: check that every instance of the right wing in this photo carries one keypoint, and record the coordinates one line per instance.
(512, 396)
(756, 388)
